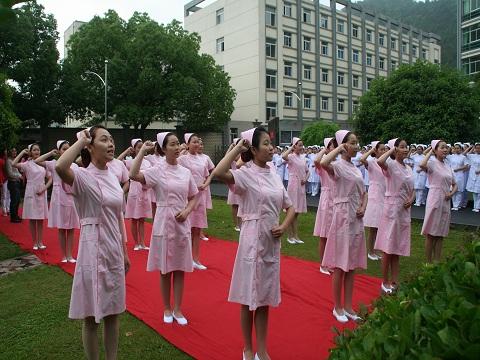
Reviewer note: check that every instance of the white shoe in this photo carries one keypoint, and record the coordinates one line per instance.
(35, 247)
(475, 210)
(204, 238)
(353, 317)
(199, 266)
(325, 271)
(416, 204)
(136, 247)
(256, 357)
(455, 209)
(385, 289)
(42, 247)
(237, 228)
(64, 260)
(72, 260)
(291, 241)
(167, 319)
(341, 318)
(373, 257)
(298, 241)
(143, 247)
(180, 320)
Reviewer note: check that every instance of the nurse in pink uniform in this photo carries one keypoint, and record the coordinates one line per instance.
(256, 273)
(199, 169)
(208, 194)
(323, 219)
(170, 247)
(35, 207)
(298, 175)
(155, 159)
(139, 205)
(442, 187)
(98, 290)
(394, 229)
(345, 249)
(376, 193)
(62, 213)
(233, 199)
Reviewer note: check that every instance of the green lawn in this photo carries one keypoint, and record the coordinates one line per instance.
(34, 323)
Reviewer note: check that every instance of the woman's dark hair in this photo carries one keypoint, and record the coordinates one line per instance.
(396, 144)
(63, 143)
(32, 145)
(374, 155)
(248, 155)
(84, 153)
(345, 139)
(164, 144)
(158, 149)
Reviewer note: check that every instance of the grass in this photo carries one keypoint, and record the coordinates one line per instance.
(35, 302)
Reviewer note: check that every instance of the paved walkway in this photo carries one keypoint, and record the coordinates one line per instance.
(462, 217)
(19, 263)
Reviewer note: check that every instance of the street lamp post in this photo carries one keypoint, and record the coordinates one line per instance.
(105, 85)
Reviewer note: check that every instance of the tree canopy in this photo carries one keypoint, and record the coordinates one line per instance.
(155, 74)
(9, 123)
(420, 102)
(319, 130)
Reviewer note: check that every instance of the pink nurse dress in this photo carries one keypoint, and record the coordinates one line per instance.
(437, 210)
(297, 171)
(98, 288)
(139, 204)
(198, 167)
(171, 243)
(256, 272)
(210, 167)
(119, 170)
(323, 219)
(154, 160)
(62, 213)
(394, 230)
(35, 206)
(233, 199)
(345, 247)
(376, 194)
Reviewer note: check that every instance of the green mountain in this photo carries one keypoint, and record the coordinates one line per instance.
(436, 16)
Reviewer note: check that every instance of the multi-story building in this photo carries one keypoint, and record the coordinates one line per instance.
(72, 29)
(302, 60)
(468, 41)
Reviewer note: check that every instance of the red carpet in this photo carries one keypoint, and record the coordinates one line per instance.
(300, 328)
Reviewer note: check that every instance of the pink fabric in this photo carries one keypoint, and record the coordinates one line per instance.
(376, 193)
(35, 206)
(161, 137)
(59, 142)
(98, 286)
(391, 143)
(326, 141)
(186, 137)
(199, 170)
(210, 167)
(154, 160)
(297, 171)
(345, 247)
(62, 213)
(138, 201)
(437, 209)
(295, 140)
(256, 273)
(394, 230)
(233, 199)
(119, 169)
(340, 136)
(323, 220)
(248, 135)
(171, 243)
(434, 143)
(134, 142)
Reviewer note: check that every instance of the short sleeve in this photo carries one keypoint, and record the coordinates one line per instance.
(151, 177)
(429, 166)
(337, 169)
(286, 200)
(80, 181)
(192, 186)
(387, 171)
(124, 175)
(50, 166)
(128, 163)
(210, 164)
(289, 157)
(23, 167)
(240, 177)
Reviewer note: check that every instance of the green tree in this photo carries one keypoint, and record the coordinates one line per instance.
(6, 11)
(420, 102)
(9, 123)
(315, 133)
(28, 56)
(155, 74)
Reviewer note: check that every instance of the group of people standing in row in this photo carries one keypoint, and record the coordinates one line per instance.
(169, 181)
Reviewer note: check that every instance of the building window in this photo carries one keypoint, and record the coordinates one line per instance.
(307, 43)
(271, 110)
(355, 30)
(424, 54)
(394, 65)
(307, 16)
(288, 99)
(307, 72)
(324, 103)
(369, 59)
(287, 39)
(287, 136)
(220, 16)
(287, 9)
(288, 66)
(369, 82)
(393, 43)
(324, 21)
(381, 39)
(271, 79)
(355, 81)
(369, 35)
(404, 48)
(307, 101)
(270, 15)
(340, 26)
(271, 47)
(471, 65)
(340, 78)
(355, 56)
(355, 106)
(341, 105)
(220, 45)
(340, 52)
(471, 37)
(381, 63)
(414, 50)
(324, 48)
(233, 134)
(325, 75)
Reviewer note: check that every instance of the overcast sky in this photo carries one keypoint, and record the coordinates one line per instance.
(66, 12)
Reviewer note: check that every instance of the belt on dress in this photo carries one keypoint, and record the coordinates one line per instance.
(90, 221)
(163, 204)
(247, 217)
